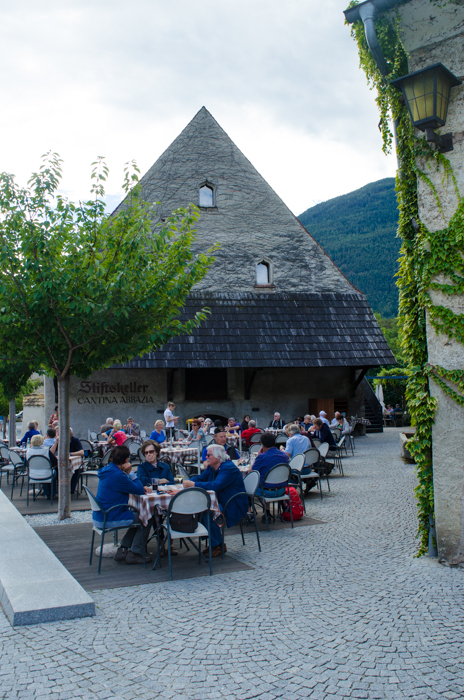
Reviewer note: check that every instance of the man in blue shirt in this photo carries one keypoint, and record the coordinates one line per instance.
(31, 430)
(297, 443)
(220, 438)
(223, 477)
(269, 456)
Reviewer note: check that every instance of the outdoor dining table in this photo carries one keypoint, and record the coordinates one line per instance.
(233, 439)
(75, 462)
(177, 455)
(147, 503)
(274, 431)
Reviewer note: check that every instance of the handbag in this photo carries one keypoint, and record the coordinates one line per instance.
(183, 522)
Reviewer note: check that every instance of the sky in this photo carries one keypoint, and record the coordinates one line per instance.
(121, 80)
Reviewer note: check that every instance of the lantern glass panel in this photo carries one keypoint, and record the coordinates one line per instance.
(443, 95)
(418, 91)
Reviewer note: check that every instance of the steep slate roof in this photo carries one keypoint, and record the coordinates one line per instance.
(276, 330)
(314, 318)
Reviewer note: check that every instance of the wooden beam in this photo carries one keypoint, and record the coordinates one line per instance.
(358, 380)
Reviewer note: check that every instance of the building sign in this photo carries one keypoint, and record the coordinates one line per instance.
(104, 392)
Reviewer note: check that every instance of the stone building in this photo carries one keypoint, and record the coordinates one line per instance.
(287, 331)
(434, 33)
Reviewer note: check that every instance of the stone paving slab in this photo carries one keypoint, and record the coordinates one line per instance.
(341, 610)
(34, 586)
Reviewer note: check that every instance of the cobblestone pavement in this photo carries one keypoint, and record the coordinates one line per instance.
(339, 610)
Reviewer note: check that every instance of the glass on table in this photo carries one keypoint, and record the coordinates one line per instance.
(154, 483)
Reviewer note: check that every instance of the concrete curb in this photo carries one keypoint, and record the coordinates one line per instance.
(35, 587)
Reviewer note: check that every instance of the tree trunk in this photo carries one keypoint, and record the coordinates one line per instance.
(64, 493)
(12, 424)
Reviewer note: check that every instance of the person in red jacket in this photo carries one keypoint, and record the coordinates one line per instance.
(251, 430)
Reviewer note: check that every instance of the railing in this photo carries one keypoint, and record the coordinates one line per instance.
(373, 403)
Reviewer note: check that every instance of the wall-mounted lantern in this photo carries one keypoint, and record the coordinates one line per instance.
(427, 94)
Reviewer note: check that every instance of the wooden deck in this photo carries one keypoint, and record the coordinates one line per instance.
(41, 505)
(71, 544)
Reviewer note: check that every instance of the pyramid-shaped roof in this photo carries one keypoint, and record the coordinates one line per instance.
(248, 218)
(310, 316)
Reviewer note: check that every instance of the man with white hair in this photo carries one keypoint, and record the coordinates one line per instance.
(222, 476)
(323, 417)
(297, 443)
(107, 427)
(277, 423)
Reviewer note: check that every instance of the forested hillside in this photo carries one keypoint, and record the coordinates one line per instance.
(358, 231)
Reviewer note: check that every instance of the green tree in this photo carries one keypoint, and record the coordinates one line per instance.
(14, 379)
(81, 290)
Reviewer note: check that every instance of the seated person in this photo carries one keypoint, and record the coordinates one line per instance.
(158, 434)
(323, 432)
(31, 431)
(245, 422)
(116, 482)
(307, 423)
(38, 448)
(220, 438)
(297, 443)
(251, 430)
(132, 428)
(323, 417)
(223, 477)
(107, 427)
(277, 423)
(117, 436)
(152, 468)
(269, 456)
(233, 426)
(75, 450)
(51, 438)
(197, 433)
(53, 417)
(340, 421)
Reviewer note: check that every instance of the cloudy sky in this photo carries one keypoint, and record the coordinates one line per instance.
(122, 79)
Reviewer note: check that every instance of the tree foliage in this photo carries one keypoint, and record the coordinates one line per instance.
(81, 290)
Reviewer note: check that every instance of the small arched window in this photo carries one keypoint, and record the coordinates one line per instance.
(206, 198)
(263, 273)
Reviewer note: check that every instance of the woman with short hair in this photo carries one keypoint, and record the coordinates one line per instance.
(152, 469)
(197, 434)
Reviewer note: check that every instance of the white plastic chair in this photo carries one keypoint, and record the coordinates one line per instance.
(191, 501)
(254, 449)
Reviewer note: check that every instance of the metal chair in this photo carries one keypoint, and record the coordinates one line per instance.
(93, 436)
(251, 483)
(40, 471)
(280, 475)
(182, 471)
(255, 449)
(316, 442)
(106, 459)
(96, 508)
(143, 434)
(336, 432)
(6, 467)
(281, 439)
(209, 439)
(190, 501)
(255, 439)
(313, 457)
(136, 456)
(296, 464)
(322, 465)
(20, 471)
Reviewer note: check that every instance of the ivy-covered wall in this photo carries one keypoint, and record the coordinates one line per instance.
(431, 270)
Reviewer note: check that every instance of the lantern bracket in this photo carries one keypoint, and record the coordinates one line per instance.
(443, 142)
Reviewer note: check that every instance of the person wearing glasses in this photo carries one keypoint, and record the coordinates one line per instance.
(152, 468)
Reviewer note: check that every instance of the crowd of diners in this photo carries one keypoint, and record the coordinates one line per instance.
(117, 480)
(220, 471)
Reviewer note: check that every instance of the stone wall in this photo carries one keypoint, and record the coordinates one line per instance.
(142, 394)
(433, 34)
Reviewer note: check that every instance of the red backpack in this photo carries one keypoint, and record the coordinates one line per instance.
(295, 504)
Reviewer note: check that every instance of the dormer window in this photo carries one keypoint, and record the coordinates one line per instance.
(206, 197)
(262, 273)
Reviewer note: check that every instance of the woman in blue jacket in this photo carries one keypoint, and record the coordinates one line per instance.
(151, 468)
(116, 482)
(222, 476)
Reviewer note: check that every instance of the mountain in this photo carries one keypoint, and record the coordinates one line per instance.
(358, 231)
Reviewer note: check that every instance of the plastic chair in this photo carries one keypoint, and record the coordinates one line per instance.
(93, 435)
(336, 432)
(251, 483)
(316, 442)
(182, 471)
(143, 434)
(96, 508)
(209, 439)
(255, 449)
(40, 471)
(281, 439)
(280, 474)
(322, 465)
(187, 502)
(20, 471)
